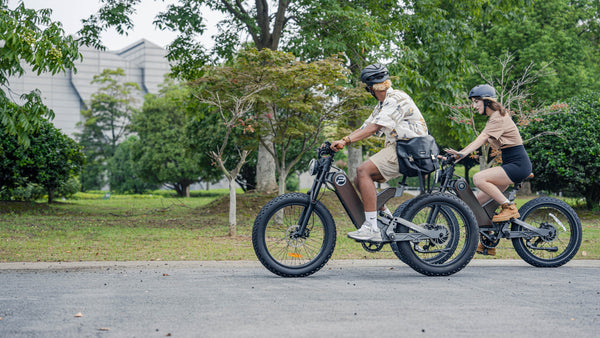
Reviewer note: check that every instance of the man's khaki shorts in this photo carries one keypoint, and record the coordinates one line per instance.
(386, 161)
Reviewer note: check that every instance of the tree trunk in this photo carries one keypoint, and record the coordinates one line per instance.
(592, 196)
(282, 177)
(354, 160)
(526, 189)
(50, 195)
(232, 208)
(265, 168)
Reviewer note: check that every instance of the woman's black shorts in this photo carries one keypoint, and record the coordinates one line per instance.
(516, 163)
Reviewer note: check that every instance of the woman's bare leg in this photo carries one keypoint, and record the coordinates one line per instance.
(491, 183)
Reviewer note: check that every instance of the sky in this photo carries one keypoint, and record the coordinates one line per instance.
(71, 12)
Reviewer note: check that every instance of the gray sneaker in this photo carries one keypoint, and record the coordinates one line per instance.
(366, 233)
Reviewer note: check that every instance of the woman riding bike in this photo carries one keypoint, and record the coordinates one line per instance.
(502, 134)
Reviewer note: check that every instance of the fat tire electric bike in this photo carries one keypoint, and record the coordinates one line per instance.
(294, 234)
(548, 232)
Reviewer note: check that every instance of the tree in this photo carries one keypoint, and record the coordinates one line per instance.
(570, 159)
(123, 177)
(23, 42)
(160, 156)
(232, 109)
(298, 101)
(202, 128)
(106, 122)
(50, 159)
(296, 96)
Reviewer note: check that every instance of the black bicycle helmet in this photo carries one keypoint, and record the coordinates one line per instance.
(483, 91)
(375, 73)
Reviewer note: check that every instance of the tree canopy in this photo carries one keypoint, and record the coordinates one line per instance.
(49, 160)
(23, 42)
(569, 160)
(561, 35)
(106, 123)
(160, 155)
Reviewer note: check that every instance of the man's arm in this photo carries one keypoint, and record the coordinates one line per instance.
(355, 136)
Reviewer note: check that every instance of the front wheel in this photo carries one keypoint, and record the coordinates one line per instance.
(449, 253)
(564, 236)
(281, 247)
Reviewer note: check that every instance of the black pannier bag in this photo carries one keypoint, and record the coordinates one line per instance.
(417, 156)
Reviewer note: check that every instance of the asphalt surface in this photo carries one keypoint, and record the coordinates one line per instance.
(383, 298)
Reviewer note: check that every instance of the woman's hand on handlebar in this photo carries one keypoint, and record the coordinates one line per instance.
(455, 154)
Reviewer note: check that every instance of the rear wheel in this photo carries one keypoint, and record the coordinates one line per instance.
(453, 249)
(451, 244)
(564, 237)
(279, 245)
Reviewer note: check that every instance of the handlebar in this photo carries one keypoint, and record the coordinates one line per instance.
(325, 149)
(448, 159)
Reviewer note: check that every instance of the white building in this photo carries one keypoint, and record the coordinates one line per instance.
(68, 93)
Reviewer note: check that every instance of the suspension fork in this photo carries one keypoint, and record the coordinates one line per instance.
(313, 193)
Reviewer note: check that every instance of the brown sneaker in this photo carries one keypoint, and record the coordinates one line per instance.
(485, 251)
(509, 211)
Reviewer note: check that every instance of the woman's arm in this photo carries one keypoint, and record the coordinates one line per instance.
(473, 146)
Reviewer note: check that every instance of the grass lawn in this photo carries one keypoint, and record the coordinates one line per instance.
(160, 227)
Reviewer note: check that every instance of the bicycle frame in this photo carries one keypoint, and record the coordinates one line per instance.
(353, 205)
(484, 213)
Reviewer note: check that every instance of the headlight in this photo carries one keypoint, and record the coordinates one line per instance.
(313, 167)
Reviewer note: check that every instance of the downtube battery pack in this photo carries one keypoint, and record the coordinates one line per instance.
(348, 197)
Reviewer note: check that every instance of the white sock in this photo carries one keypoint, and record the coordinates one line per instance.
(387, 210)
(506, 202)
(371, 218)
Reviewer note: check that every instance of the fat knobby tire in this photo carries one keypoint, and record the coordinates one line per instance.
(574, 240)
(471, 239)
(260, 245)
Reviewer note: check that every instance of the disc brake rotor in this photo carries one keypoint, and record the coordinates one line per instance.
(292, 237)
(552, 235)
(444, 234)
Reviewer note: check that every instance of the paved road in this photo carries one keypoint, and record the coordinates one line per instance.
(490, 298)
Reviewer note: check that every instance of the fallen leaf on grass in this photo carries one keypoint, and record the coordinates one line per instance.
(78, 314)
(583, 253)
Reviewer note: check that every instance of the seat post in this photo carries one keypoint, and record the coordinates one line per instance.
(513, 194)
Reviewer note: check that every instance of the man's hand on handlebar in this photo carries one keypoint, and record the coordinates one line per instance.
(337, 145)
